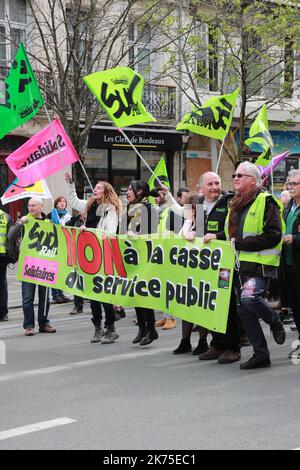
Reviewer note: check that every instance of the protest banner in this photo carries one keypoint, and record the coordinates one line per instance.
(189, 280)
(43, 155)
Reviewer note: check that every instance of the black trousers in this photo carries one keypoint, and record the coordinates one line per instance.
(96, 308)
(293, 294)
(230, 341)
(145, 317)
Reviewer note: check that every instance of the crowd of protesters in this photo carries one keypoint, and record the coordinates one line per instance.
(264, 232)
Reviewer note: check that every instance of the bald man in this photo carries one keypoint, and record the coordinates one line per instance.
(35, 211)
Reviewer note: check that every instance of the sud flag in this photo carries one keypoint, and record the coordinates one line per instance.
(46, 153)
(16, 191)
(161, 176)
(21, 98)
(259, 134)
(213, 119)
(119, 91)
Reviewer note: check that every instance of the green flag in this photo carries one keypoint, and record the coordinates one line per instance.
(161, 176)
(259, 134)
(213, 119)
(22, 95)
(119, 91)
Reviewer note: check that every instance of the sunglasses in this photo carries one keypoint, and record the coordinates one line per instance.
(292, 183)
(240, 175)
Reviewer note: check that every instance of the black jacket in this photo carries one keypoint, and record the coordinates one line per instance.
(140, 218)
(217, 216)
(295, 245)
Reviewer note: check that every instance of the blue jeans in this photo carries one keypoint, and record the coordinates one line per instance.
(3, 287)
(251, 307)
(28, 293)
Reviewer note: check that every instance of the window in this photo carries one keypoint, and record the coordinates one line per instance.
(140, 41)
(13, 20)
(206, 44)
(254, 66)
(77, 34)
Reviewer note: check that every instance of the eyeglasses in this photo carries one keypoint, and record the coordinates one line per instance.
(240, 175)
(292, 183)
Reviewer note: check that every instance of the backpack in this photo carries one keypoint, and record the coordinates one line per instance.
(13, 249)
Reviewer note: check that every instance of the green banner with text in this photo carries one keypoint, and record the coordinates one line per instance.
(189, 280)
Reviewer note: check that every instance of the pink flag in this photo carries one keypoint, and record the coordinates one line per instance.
(266, 170)
(46, 153)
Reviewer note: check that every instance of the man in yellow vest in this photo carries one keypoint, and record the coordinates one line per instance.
(255, 230)
(5, 223)
(35, 208)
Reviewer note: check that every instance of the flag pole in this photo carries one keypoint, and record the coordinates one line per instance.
(138, 153)
(219, 157)
(59, 150)
(272, 177)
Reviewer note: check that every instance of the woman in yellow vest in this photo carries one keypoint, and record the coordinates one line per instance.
(254, 227)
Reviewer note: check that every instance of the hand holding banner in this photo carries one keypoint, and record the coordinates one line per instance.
(40, 156)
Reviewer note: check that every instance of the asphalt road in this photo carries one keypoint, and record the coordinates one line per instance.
(59, 391)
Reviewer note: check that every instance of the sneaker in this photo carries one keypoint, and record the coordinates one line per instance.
(201, 347)
(98, 333)
(161, 322)
(288, 319)
(295, 353)
(4, 318)
(256, 362)
(228, 357)
(278, 332)
(65, 298)
(211, 354)
(29, 332)
(76, 310)
(109, 337)
(47, 329)
(184, 347)
(170, 324)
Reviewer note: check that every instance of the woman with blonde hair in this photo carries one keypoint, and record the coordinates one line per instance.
(101, 212)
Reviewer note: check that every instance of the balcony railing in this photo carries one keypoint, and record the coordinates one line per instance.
(159, 100)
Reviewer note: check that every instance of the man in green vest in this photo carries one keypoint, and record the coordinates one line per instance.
(255, 230)
(5, 223)
(291, 253)
(35, 211)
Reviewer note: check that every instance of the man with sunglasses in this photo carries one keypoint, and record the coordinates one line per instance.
(255, 230)
(291, 251)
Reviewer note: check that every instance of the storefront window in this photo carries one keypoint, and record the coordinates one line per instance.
(96, 165)
(123, 160)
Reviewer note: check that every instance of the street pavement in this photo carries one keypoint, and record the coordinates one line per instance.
(59, 391)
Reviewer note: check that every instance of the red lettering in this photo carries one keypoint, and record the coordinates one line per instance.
(112, 256)
(88, 239)
(71, 245)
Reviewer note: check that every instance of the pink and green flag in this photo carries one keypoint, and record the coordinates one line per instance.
(22, 98)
